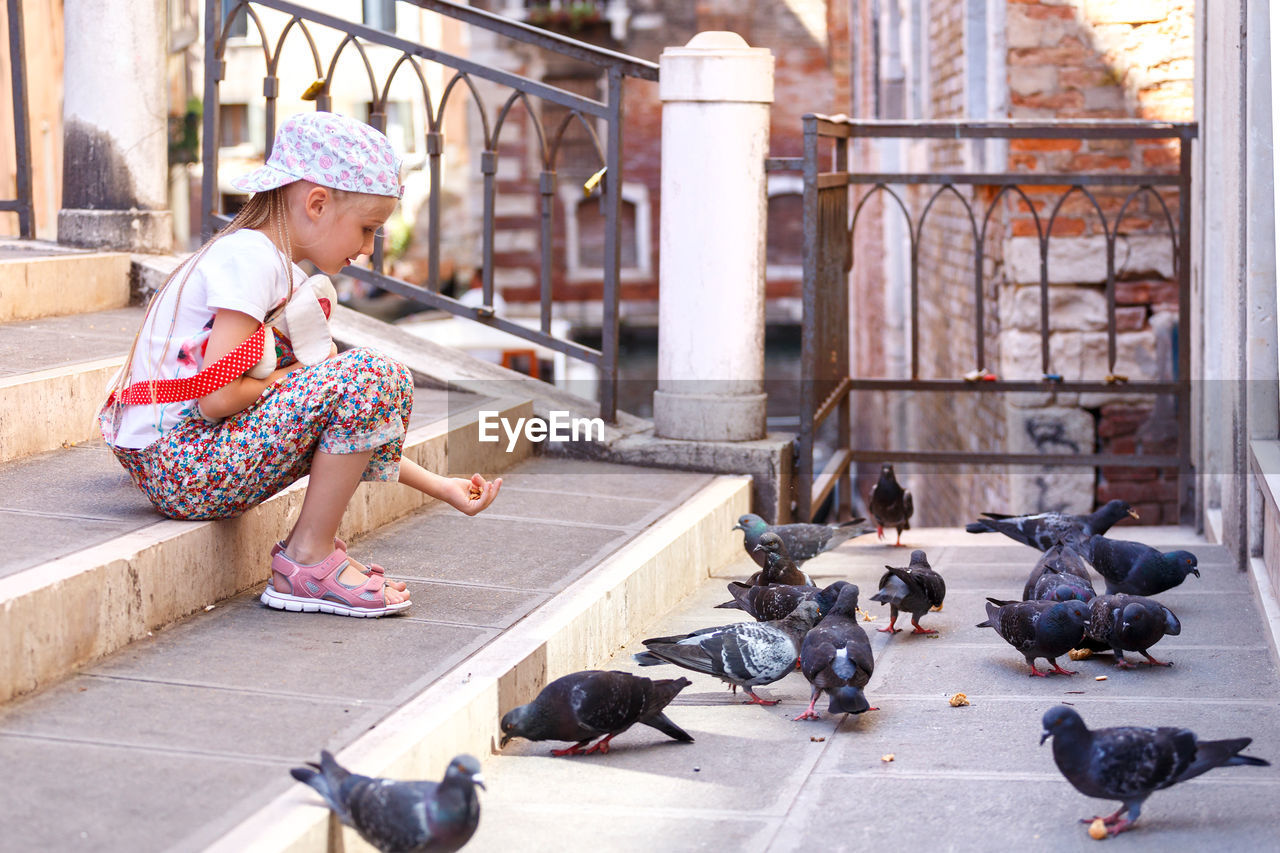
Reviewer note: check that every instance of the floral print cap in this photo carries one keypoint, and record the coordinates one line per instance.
(330, 150)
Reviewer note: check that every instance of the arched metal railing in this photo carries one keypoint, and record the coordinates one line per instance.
(830, 230)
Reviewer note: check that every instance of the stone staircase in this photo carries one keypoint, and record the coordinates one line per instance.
(149, 702)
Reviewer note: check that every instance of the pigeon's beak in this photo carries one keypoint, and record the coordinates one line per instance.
(757, 548)
(1133, 513)
(477, 779)
(1195, 571)
(503, 741)
(737, 527)
(1044, 736)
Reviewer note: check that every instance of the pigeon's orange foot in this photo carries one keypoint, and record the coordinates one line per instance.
(1155, 662)
(919, 630)
(1036, 672)
(576, 749)
(809, 715)
(1121, 663)
(601, 746)
(890, 630)
(1062, 671)
(756, 700)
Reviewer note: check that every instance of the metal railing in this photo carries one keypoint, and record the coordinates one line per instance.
(829, 235)
(583, 110)
(22, 204)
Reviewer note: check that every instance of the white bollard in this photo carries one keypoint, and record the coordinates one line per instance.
(716, 93)
(115, 126)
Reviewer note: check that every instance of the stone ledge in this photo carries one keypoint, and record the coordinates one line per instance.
(67, 613)
(587, 623)
(1264, 459)
(48, 409)
(52, 284)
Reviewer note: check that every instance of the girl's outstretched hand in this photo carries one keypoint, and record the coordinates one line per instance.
(473, 496)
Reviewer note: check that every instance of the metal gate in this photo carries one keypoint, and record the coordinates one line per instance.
(833, 199)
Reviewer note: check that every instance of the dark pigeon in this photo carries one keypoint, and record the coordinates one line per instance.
(1130, 623)
(745, 654)
(915, 589)
(401, 817)
(890, 504)
(1060, 575)
(1045, 529)
(1039, 629)
(836, 658)
(593, 704)
(802, 541)
(1136, 568)
(776, 600)
(778, 567)
(1129, 763)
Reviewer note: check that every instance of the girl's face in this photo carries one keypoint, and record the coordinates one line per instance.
(343, 229)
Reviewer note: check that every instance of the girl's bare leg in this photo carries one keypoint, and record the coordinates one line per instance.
(333, 480)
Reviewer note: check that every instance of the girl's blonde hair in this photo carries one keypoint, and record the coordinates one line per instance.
(264, 210)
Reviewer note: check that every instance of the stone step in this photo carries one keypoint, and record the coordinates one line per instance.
(45, 280)
(184, 739)
(53, 371)
(89, 567)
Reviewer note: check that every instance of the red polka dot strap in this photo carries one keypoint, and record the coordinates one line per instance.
(231, 366)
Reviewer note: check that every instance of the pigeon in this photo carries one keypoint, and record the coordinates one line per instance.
(890, 504)
(776, 600)
(778, 567)
(745, 654)
(1039, 629)
(401, 817)
(1136, 568)
(1130, 623)
(1044, 530)
(1129, 763)
(1060, 575)
(594, 703)
(802, 541)
(914, 589)
(836, 658)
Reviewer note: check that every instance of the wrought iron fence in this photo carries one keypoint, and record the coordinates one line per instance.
(579, 109)
(833, 199)
(22, 204)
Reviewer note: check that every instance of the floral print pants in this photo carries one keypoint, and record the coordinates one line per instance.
(356, 401)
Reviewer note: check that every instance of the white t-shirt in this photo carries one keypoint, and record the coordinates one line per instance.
(242, 271)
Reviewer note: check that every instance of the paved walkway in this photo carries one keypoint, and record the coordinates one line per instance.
(173, 740)
(965, 778)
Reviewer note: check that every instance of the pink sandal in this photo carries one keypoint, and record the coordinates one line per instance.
(338, 545)
(316, 588)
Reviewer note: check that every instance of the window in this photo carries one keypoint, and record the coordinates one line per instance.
(233, 124)
(584, 233)
(400, 127)
(380, 14)
(238, 28)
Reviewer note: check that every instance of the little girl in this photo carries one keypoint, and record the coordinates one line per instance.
(204, 439)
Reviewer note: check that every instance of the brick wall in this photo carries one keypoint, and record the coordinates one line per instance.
(1065, 59)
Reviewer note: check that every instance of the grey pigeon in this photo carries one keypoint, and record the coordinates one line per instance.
(401, 817)
(1136, 568)
(802, 541)
(890, 504)
(593, 704)
(1039, 629)
(836, 658)
(776, 600)
(745, 654)
(1129, 763)
(1061, 574)
(778, 567)
(1130, 623)
(1045, 529)
(915, 589)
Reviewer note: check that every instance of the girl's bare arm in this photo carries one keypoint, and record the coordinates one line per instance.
(466, 496)
(230, 329)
